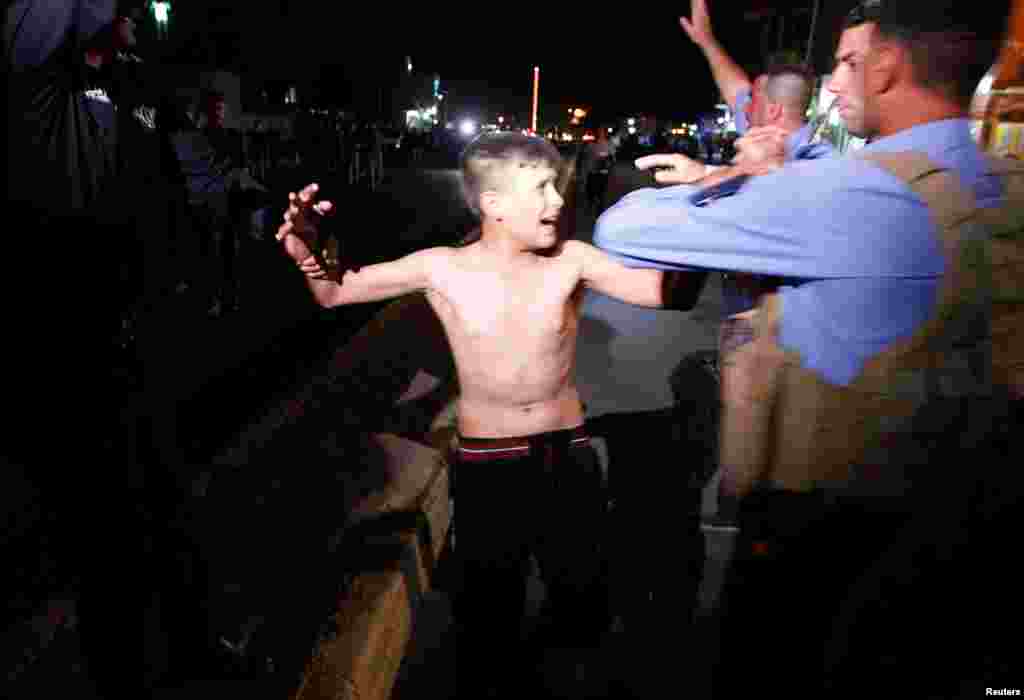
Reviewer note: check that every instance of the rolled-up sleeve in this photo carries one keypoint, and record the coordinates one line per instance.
(830, 218)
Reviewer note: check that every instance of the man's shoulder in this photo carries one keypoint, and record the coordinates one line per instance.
(843, 173)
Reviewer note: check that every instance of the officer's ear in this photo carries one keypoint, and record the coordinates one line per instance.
(888, 66)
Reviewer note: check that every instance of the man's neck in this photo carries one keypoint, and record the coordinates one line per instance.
(927, 107)
(793, 125)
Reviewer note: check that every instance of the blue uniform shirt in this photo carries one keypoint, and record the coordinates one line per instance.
(864, 243)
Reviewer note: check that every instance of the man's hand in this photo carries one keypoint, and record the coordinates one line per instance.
(312, 268)
(698, 26)
(761, 150)
(680, 170)
(301, 223)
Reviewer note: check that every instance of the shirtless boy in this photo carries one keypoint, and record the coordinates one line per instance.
(528, 479)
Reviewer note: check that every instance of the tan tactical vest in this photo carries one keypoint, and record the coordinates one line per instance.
(785, 426)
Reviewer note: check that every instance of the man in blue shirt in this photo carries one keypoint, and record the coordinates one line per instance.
(863, 244)
(777, 97)
(861, 249)
(859, 238)
(773, 106)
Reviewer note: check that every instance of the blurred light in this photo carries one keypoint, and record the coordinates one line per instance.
(985, 86)
(440, 97)
(432, 110)
(632, 129)
(161, 12)
(570, 110)
(501, 120)
(536, 98)
(588, 137)
(631, 121)
(551, 134)
(610, 130)
(579, 113)
(467, 127)
(567, 137)
(449, 126)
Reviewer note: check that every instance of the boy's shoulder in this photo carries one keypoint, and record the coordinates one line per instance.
(576, 251)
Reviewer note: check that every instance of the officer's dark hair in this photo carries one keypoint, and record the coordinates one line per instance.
(951, 43)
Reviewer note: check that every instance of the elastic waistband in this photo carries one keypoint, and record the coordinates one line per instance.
(485, 449)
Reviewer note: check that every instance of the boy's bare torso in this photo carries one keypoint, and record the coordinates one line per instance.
(512, 328)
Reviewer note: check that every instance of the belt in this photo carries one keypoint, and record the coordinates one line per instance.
(486, 449)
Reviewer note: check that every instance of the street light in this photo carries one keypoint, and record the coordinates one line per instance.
(162, 14)
(161, 11)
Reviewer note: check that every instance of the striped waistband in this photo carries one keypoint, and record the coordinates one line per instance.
(485, 449)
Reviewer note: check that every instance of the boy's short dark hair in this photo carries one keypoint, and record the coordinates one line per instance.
(484, 159)
(952, 43)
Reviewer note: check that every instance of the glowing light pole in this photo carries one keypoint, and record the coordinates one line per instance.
(536, 93)
(161, 13)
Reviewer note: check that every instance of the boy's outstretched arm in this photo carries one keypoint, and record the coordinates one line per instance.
(338, 286)
(635, 285)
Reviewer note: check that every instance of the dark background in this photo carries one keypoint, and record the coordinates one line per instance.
(615, 61)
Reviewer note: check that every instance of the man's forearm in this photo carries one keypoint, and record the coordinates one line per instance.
(721, 174)
(729, 77)
(327, 292)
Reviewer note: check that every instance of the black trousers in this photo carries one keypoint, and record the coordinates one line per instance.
(546, 501)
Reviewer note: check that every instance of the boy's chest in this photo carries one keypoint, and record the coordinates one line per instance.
(513, 306)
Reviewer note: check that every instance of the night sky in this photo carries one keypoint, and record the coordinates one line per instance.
(616, 62)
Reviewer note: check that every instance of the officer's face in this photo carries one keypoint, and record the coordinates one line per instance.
(849, 80)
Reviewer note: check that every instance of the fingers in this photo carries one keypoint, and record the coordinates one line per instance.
(760, 132)
(283, 230)
(311, 267)
(673, 177)
(659, 159)
(687, 27)
(308, 193)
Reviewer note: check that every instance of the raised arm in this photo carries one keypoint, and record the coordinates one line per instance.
(335, 285)
(729, 77)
